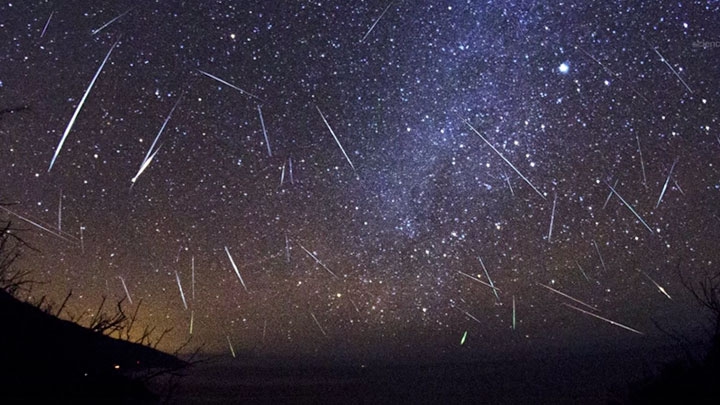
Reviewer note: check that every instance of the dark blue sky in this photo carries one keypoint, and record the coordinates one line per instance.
(360, 249)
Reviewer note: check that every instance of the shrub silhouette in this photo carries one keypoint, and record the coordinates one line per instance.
(695, 381)
(45, 358)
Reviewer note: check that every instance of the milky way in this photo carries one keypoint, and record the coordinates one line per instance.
(367, 178)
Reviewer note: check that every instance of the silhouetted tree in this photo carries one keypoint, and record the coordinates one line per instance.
(12, 280)
(706, 292)
(113, 322)
(695, 381)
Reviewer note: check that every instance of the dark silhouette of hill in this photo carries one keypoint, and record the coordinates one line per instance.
(47, 359)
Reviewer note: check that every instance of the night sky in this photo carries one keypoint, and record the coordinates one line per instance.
(379, 221)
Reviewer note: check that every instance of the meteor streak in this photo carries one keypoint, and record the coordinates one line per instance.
(642, 162)
(150, 153)
(236, 268)
(267, 142)
(317, 260)
(505, 159)
(604, 319)
(318, 324)
(122, 280)
(60, 212)
(662, 193)
(631, 208)
(182, 294)
(659, 287)
(192, 269)
(336, 138)
(232, 351)
(42, 34)
(468, 315)
(95, 31)
(37, 225)
(478, 280)
(597, 249)
(229, 84)
(567, 296)
(79, 106)
(376, 21)
(552, 219)
(490, 280)
(662, 58)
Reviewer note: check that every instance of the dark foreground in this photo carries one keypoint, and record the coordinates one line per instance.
(551, 378)
(44, 359)
(47, 360)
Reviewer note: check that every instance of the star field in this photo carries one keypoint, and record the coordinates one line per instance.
(363, 227)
